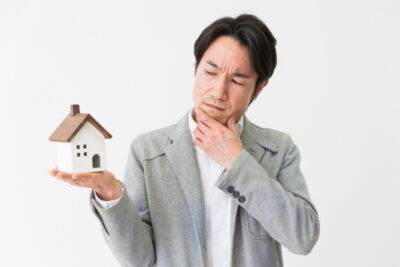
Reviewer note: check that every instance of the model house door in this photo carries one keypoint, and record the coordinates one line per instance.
(96, 161)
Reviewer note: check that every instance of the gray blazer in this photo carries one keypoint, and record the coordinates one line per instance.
(160, 217)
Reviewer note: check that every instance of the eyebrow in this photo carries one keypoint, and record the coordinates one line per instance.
(237, 74)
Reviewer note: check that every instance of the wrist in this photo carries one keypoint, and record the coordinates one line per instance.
(109, 192)
(234, 157)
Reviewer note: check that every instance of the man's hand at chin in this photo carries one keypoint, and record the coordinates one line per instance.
(222, 143)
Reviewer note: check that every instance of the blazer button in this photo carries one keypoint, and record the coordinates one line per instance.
(242, 199)
(231, 189)
(236, 194)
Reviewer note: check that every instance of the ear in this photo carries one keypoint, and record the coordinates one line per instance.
(259, 89)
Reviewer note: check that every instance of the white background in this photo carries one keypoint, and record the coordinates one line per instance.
(130, 64)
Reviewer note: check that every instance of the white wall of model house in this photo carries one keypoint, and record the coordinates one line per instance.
(85, 152)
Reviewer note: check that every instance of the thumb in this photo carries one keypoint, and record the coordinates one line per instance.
(231, 124)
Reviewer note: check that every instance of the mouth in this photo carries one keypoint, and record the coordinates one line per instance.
(214, 107)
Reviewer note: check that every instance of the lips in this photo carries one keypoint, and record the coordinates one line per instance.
(214, 107)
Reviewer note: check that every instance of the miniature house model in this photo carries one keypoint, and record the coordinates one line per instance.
(80, 143)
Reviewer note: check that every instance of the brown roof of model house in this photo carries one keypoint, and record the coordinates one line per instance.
(71, 125)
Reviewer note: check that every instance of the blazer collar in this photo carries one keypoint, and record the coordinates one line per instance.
(252, 134)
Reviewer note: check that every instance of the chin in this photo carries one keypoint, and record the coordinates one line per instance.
(218, 115)
(222, 120)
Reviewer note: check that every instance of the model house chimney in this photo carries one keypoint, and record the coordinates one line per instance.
(74, 109)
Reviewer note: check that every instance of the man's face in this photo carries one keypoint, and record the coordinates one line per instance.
(224, 80)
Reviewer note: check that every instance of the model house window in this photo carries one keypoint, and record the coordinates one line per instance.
(78, 154)
(84, 146)
(85, 154)
(77, 146)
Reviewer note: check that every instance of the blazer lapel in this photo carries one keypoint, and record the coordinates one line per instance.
(181, 155)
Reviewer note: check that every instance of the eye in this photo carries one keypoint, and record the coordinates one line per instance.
(236, 82)
(209, 72)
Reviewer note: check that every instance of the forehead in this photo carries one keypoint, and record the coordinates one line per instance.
(228, 53)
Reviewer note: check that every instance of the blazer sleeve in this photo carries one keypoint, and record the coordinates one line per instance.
(280, 204)
(127, 225)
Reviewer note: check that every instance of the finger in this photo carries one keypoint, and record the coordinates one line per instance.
(199, 134)
(202, 115)
(207, 119)
(64, 179)
(87, 175)
(83, 183)
(64, 175)
(53, 172)
(67, 177)
(199, 143)
(89, 179)
(75, 182)
(231, 124)
(204, 128)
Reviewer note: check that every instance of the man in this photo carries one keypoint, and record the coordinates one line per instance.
(213, 189)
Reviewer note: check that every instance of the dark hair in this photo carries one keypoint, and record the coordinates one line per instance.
(250, 32)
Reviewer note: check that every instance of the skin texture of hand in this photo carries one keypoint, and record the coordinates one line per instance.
(221, 143)
(103, 182)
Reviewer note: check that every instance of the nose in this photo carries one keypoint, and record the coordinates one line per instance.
(220, 89)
